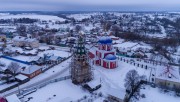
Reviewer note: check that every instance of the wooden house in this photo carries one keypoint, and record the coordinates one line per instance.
(32, 71)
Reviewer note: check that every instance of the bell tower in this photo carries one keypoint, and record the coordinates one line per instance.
(80, 68)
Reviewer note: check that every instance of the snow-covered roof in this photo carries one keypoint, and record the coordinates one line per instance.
(12, 98)
(94, 83)
(168, 73)
(119, 93)
(31, 69)
(21, 77)
(2, 99)
(54, 58)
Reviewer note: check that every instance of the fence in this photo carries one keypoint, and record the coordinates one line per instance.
(13, 86)
(25, 92)
(16, 60)
(133, 63)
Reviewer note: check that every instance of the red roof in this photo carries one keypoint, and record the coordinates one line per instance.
(2, 99)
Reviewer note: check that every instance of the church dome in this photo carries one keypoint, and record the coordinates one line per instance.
(110, 57)
(105, 40)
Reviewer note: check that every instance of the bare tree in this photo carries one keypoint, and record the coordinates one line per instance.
(131, 83)
(115, 29)
(106, 26)
(78, 28)
(13, 68)
(21, 29)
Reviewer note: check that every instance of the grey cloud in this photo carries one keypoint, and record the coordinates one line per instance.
(58, 5)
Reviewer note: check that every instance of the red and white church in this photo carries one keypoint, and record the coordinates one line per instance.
(104, 54)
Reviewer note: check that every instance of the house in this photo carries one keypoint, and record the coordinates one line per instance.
(168, 77)
(32, 71)
(116, 95)
(36, 60)
(21, 41)
(104, 54)
(54, 59)
(139, 54)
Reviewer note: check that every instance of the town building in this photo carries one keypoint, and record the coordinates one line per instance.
(21, 41)
(168, 77)
(32, 71)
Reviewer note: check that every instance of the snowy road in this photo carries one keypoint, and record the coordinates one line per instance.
(39, 82)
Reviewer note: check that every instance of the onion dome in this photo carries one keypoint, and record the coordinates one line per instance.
(110, 57)
(105, 40)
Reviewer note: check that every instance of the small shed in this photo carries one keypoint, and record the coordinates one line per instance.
(116, 95)
(21, 78)
(92, 85)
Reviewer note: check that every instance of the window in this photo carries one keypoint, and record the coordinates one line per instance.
(107, 64)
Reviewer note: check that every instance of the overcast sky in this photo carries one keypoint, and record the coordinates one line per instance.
(90, 5)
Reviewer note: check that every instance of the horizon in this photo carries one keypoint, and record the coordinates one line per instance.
(90, 5)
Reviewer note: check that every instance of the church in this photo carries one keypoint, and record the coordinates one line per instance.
(104, 54)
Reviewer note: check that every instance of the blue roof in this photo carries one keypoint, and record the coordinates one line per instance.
(110, 57)
(105, 40)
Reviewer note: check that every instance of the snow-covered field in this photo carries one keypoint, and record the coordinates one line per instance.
(32, 16)
(80, 17)
(65, 91)
(116, 76)
(155, 95)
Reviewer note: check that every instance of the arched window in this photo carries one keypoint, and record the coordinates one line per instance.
(107, 64)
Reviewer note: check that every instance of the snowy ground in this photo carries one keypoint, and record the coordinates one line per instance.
(65, 91)
(110, 79)
(155, 95)
(55, 70)
(116, 77)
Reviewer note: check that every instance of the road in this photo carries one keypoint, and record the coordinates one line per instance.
(36, 83)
